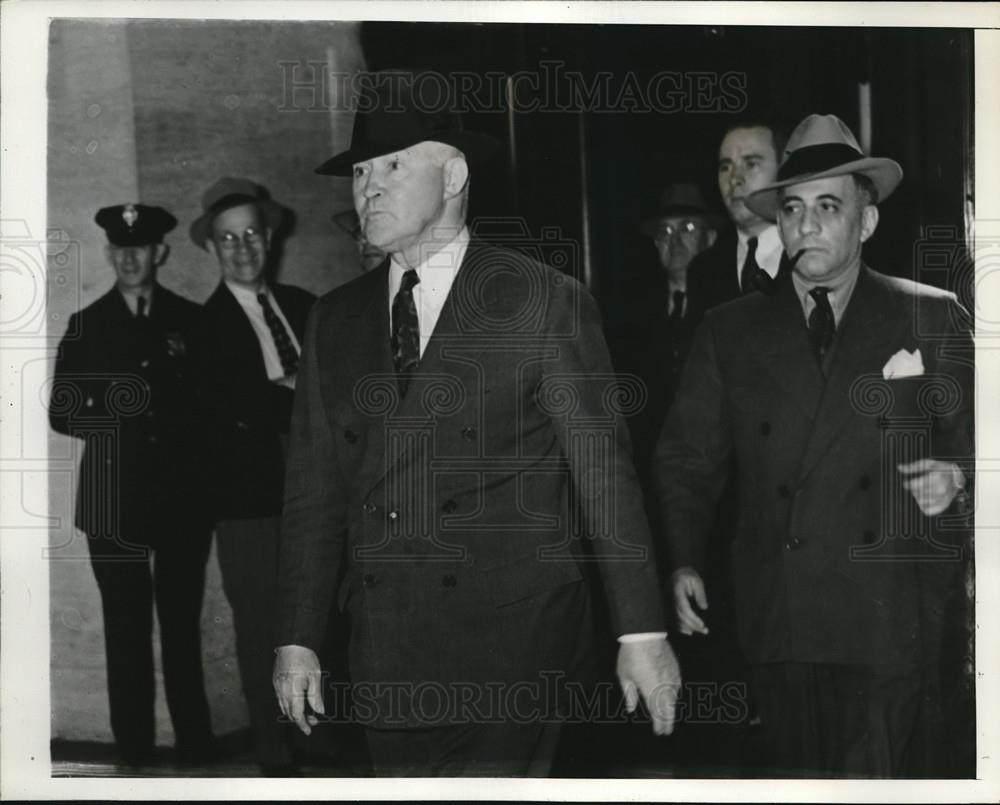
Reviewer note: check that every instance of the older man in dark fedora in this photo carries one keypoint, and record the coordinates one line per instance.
(247, 361)
(447, 406)
(845, 400)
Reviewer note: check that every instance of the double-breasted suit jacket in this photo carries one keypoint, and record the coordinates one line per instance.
(833, 561)
(124, 386)
(449, 518)
(245, 414)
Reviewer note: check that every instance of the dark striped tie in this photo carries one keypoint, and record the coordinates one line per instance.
(405, 331)
(282, 340)
(752, 276)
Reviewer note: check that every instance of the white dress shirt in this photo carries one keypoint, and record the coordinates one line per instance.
(841, 289)
(132, 302)
(251, 307)
(437, 273)
(768, 254)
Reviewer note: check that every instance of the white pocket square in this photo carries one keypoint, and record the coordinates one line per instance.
(903, 364)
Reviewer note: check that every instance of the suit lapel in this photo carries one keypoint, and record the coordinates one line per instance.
(785, 351)
(863, 333)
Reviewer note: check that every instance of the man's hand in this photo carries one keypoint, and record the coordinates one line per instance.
(687, 584)
(296, 681)
(933, 484)
(649, 668)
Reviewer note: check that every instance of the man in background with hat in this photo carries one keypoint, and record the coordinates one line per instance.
(845, 400)
(247, 360)
(123, 386)
(445, 404)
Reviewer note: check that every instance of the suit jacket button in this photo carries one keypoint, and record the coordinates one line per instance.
(469, 434)
(793, 543)
(449, 506)
(144, 363)
(368, 580)
(242, 425)
(784, 491)
(864, 482)
(394, 515)
(449, 581)
(152, 438)
(369, 507)
(350, 436)
(765, 428)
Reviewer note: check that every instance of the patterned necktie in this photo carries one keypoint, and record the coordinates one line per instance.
(286, 350)
(822, 324)
(752, 276)
(405, 331)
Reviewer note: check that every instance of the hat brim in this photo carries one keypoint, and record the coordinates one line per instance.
(476, 146)
(885, 174)
(201, 227)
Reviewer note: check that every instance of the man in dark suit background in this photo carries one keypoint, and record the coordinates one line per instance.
(651, 339)
(123, 386)
(747, 257)
(448, 402)
(247, 361)
(845, 400)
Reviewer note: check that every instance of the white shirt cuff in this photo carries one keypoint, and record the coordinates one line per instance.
(637, 637)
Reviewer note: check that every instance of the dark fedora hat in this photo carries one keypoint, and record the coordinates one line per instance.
(677, 198)
(398, 109)
(820, 147)
(228, 193)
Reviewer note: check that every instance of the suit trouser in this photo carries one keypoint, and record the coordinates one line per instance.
(850, 720)
(468, 750)
(248, 560)
(129, 582)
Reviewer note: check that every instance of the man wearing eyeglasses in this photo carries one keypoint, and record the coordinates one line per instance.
(247, 362)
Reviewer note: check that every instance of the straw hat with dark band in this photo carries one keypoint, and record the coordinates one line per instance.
(820, 147)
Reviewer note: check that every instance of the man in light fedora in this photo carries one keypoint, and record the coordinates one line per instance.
(447, 403)
(845, 401)
(247, 361)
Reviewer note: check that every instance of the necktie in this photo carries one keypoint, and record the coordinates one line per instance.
(677, 311)
(822, 325)
(286, 350)
(752, 276)
(405, 331)
(140, 307)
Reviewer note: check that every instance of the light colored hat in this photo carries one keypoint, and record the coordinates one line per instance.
(822, 146)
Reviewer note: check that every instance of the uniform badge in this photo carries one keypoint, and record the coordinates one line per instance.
(130, 215)
(175, 345)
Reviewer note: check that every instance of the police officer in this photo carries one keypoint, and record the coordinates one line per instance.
(122, 386)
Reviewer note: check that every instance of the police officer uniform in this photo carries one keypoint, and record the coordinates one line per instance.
(122, 386)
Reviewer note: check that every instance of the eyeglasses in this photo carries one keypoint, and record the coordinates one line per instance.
(669, 230)
(252, 238)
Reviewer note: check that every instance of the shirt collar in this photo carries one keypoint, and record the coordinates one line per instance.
(244, 295)
(439, 269)
(769, 249)
(841, 289)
